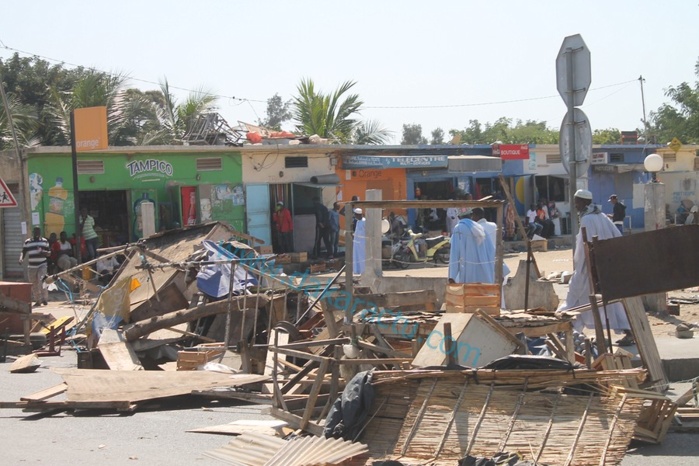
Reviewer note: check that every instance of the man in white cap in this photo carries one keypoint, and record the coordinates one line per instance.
(359, 242)
(596, 224)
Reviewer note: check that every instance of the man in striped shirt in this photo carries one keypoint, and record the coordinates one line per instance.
(36, 251)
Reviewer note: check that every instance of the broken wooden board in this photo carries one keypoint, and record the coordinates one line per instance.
(476, 343)
(265, 427)
(541, 293)
(25, 364)
(117, 352)
(645, 342)
(94, 385)
(46, 393)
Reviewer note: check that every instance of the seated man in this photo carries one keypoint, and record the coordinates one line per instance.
(533, 228)
(62, 252)
(106, 268)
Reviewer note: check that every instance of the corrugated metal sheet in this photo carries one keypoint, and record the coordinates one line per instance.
(12, 238)
(254, 449)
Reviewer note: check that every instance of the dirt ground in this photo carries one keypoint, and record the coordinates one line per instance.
(662, 324)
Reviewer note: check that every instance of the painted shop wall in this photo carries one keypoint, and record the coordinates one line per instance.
(171, 180)
(272, 167)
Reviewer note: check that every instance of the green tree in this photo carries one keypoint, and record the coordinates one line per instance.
(23, 120)
(606, 136)
(680, 118)
(176, 119)
(277, 113)
(330, 116)
(504, 131)
(437, 137)
(412, 135)
(370, 132)
(31, 81)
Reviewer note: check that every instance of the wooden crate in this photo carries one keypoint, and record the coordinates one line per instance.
(283, 259)
(299, 256)
(468, 297)
(189, 360)
(267, 249)
(318, 268)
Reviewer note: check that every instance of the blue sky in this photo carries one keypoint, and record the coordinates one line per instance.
(438, 64)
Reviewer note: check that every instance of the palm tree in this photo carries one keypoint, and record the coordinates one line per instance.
(371, 132)
(24, 121)
(178, 119)
(93, 89)
(333, 116)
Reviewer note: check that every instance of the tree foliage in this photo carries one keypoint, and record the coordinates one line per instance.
(412, 135)
(606, 136)
(680, 118)
(504, 131)
(277, 113)
(437, 137)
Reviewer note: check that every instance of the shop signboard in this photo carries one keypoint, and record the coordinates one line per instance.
(383, 161)
(511, 151)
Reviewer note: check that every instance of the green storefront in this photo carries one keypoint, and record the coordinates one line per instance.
(187, 186)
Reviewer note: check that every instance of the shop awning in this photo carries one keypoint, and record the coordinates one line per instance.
(322, 181)
(618, 168)
(474, 163)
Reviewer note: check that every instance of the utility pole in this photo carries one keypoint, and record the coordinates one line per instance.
(643, 102)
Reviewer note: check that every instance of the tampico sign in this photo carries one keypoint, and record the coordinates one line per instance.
(149, 167)
(90, 128)
(511, 151)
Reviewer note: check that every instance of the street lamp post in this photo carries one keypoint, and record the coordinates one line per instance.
(654, 193)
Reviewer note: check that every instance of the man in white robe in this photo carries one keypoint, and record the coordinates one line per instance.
(596, 224)
(472, 255)
(359, 243)
(452, 219)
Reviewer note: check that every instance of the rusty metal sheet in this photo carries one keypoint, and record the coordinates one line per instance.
(650, 262)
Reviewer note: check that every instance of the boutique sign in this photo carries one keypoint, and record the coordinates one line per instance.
(142, 168)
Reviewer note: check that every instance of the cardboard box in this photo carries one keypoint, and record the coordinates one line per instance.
(264, 249)
(299, 256)
(540, 246)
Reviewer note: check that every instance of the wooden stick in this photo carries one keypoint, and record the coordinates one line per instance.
(418, 419)
(571, 454)
(603, 457)
(511, 424)
(548, 428)
(477, 427)
(457, 406)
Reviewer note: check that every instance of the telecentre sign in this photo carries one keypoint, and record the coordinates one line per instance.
(511, 151)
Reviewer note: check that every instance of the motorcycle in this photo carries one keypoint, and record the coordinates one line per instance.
(416, 248)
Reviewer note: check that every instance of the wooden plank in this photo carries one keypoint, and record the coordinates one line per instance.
(315, 390)
(281, 338)
(93, 385)
(25, 364)
(295, 421)
(645, 342)
(267, 427)
(117, 352)
(46, 393)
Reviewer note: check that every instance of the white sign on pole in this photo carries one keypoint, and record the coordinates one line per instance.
(582, 70)
(6, 197)
(583, 143)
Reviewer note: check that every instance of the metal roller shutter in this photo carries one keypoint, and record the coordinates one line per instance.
(12, 238)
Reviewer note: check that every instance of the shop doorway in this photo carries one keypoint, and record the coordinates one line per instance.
(111, 214)
(432, 219)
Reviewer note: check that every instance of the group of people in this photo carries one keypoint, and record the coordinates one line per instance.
(540, 219)
(57, 254)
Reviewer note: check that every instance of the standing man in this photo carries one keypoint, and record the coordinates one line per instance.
(618, 213)
(359, 243)
(284, 226)
(595, 224)
(334, 224)
(472, 255)
(36, 250)
(87, 226)
(322, 227)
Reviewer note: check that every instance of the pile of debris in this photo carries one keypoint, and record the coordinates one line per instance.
(406, 379)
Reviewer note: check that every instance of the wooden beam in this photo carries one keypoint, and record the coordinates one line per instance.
(145, 327)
